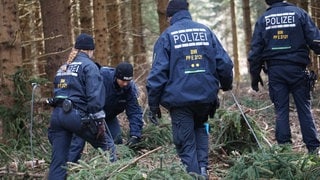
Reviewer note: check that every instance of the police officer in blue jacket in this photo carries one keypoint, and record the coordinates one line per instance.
(78, 108)
(189, 67)
(281, 41)
(121, 95)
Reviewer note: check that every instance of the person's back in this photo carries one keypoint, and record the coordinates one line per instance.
(189, 67)
(74, 77)
(116, 97)
(78, 88)
(195, 58)
(287, 32)
(281, 41)
(120, 99)
(121, 95)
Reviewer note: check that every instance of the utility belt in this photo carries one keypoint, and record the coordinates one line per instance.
(65, 104)
(277, 62)
(93, 121)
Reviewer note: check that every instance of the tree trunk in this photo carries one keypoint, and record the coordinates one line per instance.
(74, 18)
(57, 33)
(113, 23)
(86, 16)
(126, 40)
(10, 49)
(235, 44)
(139, 51)
(247, 24)
(10, 52)
(31, 37)
(100, 32)
(32, 41)
(161, 9)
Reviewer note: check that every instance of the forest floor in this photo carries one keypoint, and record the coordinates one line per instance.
(256, 105)
(259, 106)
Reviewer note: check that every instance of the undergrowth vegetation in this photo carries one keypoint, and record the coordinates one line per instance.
(236, 152)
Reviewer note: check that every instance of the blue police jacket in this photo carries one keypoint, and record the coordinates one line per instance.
(284, 32)
(189, 65)
(122, 99)
(82, 83)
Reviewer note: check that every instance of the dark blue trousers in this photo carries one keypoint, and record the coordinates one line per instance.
(190, 136)
(62, 127)
(77, 143)
(283, 81)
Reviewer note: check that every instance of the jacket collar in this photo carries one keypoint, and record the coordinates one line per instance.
(183, 14)
(83, 54)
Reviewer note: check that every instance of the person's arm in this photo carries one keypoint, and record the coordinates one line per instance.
(95, 93)
(134, 112)
(255, 57)
(159, 73)
(95, 90)
(224, 65)
(255, 53)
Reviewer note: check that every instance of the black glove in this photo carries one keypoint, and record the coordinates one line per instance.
(227, 88)
(214, 107)
(134, 140)
(226, 84)
(154, 114)
(101, 129)
(255, 82)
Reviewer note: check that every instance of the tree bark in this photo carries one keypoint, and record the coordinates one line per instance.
(86, 16)
(32, 38)
(126, 40)
(161, 9)
(74, 18)
(247, 26)
(247, 23)
(57, 34)
(139, 50)
(235, 44)
(10, 53)
(100, 32)
(113, 23)
(10, 49)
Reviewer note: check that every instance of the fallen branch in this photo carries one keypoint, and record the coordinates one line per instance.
(138, 158)
(267, 141)
(261, 109)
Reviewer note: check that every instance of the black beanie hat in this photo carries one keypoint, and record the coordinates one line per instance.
(270, 2)
(175, 6)
(84, 42)
(124, 71)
